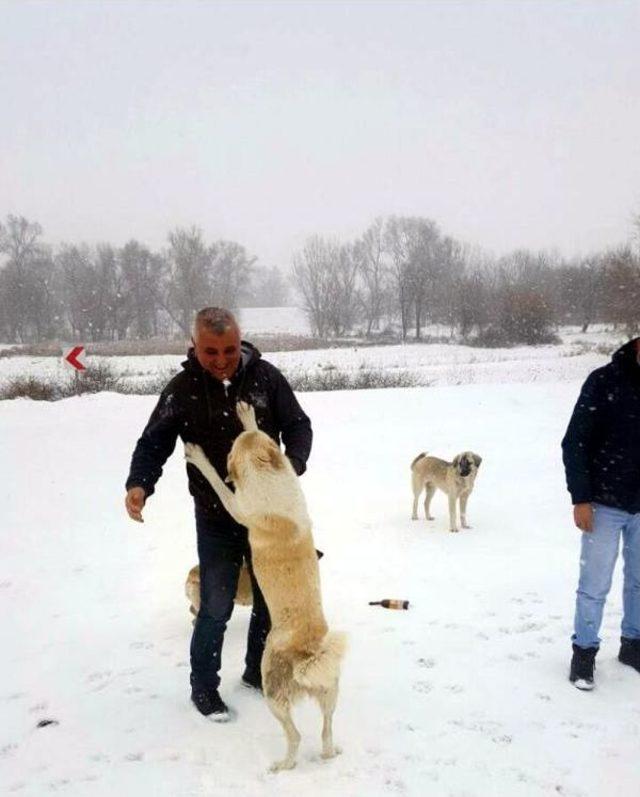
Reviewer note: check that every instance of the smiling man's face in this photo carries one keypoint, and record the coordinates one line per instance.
(218, 354)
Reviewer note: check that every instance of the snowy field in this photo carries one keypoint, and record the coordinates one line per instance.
(464, 695)
(273, 321)
(429, 364)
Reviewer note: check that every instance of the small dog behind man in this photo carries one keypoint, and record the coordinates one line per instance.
(244, 593)
(456, 479)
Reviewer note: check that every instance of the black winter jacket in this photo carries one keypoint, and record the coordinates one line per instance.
(199, 409)
(601, 449)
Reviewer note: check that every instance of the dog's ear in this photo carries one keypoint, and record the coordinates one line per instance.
(456, 461)
(269, 454)
(477, 459)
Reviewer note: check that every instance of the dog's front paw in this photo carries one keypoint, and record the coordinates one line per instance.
(247, 415)
(194, 454)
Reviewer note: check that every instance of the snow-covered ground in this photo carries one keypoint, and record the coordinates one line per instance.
(465, 694)
(273, 321)
(429, 364)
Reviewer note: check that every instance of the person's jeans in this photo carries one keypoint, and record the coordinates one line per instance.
(222, 547)
(598, 556)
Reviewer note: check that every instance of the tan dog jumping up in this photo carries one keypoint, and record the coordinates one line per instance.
(301, 657)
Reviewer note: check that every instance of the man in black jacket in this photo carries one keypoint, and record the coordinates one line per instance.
(198, 405)
(601, 453)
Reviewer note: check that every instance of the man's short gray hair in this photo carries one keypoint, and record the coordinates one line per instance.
(215, 319)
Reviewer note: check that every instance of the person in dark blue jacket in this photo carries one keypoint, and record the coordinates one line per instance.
(601, 453)
(198, 405)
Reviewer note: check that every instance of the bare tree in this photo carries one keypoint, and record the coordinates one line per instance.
(312, 274)
(635, 223)
(472, 303)
(19, 238)
(229, 270)
(105, 270)
(398, 243)
(426, 265)
(525, 306)
(417, 257)
(580, 288)
(445, 279)
(369, 253)
(47, 306)
(622, 288)
(22, 292)
(201, 275)
(77, 278)
(343, 290)
(141, 281)
(189, 264)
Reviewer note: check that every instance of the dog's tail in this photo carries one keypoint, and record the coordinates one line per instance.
(424, 454)
(321, 668)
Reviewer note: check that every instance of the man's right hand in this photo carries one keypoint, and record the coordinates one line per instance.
(583, 516)
(134, 501)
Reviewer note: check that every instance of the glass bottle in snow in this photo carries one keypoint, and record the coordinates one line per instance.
(390, 603)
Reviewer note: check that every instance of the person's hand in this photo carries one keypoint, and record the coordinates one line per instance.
(583, 516)
(134, 501)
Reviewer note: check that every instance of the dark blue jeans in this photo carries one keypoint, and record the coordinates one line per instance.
(222, 548)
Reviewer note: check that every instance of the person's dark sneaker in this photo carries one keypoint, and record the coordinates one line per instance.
(630, 652)
(209, 703)
(252, 679)
(583, 663)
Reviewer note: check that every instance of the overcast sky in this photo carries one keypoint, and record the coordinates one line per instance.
(512, 124)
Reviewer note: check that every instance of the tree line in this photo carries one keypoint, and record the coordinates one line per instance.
(98, 293)
(403, 271)
(402, 274)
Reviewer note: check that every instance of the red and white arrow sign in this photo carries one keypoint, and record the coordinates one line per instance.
(72, 358)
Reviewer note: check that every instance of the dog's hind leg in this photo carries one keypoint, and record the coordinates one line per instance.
(431, 491)
(416, 485)
(327, 700)
(282, 712)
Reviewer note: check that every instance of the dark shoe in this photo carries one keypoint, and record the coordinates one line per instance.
(583, 663)
(630, 652)
(209, 703)
(252, 679)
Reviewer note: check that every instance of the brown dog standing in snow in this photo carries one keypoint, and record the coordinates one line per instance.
(456, 479)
